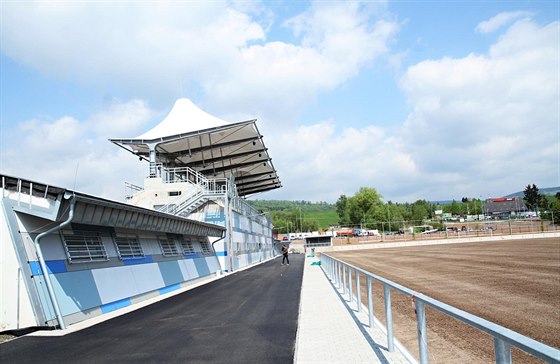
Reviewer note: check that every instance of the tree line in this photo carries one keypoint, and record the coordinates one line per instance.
(365, 209)
(547, 206)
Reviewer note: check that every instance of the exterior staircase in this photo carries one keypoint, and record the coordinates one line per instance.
(206, 190)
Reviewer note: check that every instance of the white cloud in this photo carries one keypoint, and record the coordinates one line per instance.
(153, 49)
(121, 119)
(338, 39)
(71, 153)
(501, 20)
(488, 119)
(146, 44)
(482, 125)
(485, 122)
(320, 162)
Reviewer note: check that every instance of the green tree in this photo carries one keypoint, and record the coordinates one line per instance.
(454, 208)
(394, 216)
(364, 205)
(419, 211)
(531, 196)
(342, 210)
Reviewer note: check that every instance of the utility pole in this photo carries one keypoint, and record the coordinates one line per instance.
(389, 216)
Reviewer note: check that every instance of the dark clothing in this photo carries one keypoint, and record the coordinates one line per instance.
(285, 255)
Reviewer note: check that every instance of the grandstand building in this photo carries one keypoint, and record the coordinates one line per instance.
(68, 256)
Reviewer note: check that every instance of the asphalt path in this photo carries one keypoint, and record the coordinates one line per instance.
(247, 317)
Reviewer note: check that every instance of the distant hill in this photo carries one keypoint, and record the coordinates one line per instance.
(322, 212)
(282, 205)
(550, 191)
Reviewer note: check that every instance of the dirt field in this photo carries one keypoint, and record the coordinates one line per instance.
(513, 283)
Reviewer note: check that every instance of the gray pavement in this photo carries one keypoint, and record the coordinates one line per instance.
(330, 330)
(251, 316)
(247, 317)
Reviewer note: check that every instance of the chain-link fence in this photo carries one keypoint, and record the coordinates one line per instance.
(427, 230)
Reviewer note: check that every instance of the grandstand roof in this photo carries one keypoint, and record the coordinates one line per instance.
(190, 137)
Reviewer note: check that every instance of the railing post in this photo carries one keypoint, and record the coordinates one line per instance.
(336, 276)
(502, 351)
(350, 284)
(422, 332)
(388, 318)
(335, 271)
(358, 293)
(370, 302)
(343, 279)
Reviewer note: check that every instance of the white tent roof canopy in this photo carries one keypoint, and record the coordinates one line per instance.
(190, 137)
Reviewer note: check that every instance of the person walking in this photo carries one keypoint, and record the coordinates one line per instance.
(285, 255)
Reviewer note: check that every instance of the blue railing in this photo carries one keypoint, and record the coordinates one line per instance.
(340, 273)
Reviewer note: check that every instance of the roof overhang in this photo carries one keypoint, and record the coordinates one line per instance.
(93, 210)
(222, 151)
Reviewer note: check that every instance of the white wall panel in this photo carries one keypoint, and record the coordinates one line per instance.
(212, 264)
(114, 284)
(147, 277)
(188, 269)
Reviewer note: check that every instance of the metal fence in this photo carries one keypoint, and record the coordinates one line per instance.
(454, 230)
(340, 273)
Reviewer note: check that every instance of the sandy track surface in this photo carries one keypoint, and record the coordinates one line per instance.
(513, 283)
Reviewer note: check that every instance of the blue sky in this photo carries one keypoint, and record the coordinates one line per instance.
(419, 99)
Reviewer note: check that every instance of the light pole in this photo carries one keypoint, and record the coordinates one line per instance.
(389, 216)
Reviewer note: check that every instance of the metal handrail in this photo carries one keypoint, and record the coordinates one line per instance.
(208, 188)
(340, 273)
(183, 174)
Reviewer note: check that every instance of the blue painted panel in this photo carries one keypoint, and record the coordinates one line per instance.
(235, 220)
(221, 254)
(53, 266)
(193, 255)
(201, 267)
(171, 272)
(108, 307)
(173, 287)
(133, 261)
(217, 218)
(75, 291)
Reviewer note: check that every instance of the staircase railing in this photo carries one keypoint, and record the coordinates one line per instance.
(206, 188)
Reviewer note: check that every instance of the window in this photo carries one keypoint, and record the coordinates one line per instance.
(168, 247)
(206, 249)
(174, 193)
(84, 246)
(128, 246)
(187, 246)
